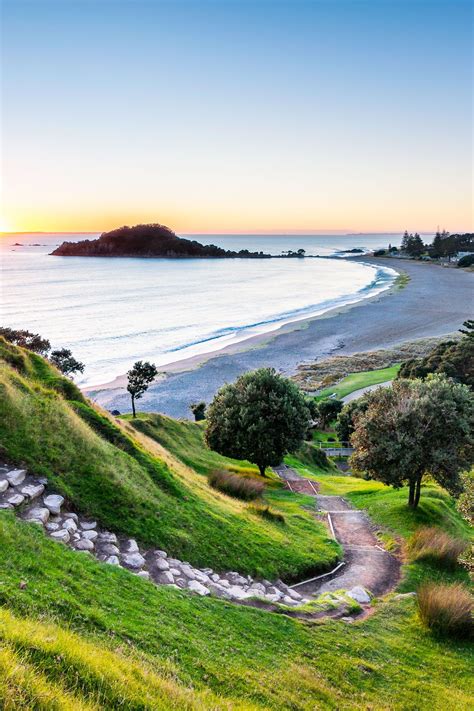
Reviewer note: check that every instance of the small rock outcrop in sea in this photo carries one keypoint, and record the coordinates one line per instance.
(148, 241)
(28, 496)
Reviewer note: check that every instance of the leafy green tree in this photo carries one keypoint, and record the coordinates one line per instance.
(199, 410)
(260, 417)
(65, 362)
(453, 358)
(413, 429)
(345, 420)
(328, 410)
(32, 341)
(139, 379)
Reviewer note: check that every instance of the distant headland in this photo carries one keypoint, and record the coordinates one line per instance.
(152, 240)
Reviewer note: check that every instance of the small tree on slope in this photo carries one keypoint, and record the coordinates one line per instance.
(139, 379)
(260, 417)
(413, 429)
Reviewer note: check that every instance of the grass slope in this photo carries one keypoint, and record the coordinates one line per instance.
(356, 381)
(93, 636)
(134, 486)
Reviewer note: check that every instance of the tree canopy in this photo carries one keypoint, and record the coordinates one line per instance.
(139, 379)
(260, 417)
(32, 341)
(328, 410)
(413, 429)
(65, 362)
(453, 358)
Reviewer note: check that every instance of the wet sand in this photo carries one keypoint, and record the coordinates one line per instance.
(435, 302)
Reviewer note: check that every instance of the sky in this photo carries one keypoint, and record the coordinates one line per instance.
(226, 116)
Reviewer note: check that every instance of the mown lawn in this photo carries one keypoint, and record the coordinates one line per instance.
(356, 381)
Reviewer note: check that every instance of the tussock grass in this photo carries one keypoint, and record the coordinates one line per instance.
(446, 609)
(436, 545)
(235, 485)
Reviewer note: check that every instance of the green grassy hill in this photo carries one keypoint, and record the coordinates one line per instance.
(82, 632)
(77, 634)
(133, 485)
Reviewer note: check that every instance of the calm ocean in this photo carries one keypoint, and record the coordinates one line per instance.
(112, 312)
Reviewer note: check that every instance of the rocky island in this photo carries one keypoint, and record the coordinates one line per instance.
(152, 240)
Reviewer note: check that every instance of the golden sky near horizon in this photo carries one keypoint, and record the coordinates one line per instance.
(237, 117)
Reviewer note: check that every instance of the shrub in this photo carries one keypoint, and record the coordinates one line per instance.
(379, 252)
(235, 485)
(436, 545)
(267, 512)
(446, 609)
(467, 261)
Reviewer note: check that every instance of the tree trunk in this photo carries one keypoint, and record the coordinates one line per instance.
(262, 468)
(133, 407)
(411, 494)
(417, 492)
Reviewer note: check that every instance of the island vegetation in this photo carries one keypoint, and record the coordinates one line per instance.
(153, 240)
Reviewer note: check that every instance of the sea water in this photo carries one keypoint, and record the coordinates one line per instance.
(113, 311)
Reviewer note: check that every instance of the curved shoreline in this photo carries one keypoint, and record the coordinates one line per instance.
(434, 303)
(257, 339)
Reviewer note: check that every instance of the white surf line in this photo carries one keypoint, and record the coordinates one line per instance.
(318, 577)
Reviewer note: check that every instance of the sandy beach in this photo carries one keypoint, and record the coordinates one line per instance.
(434, 302)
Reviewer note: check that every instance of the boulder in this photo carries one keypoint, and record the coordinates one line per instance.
(272, 598)
(106, 537)
(15, 499)
(188, 572)
(175, 572)
(112, 560)
(287, 600)
(293, 594)
(198, 588)
(53, 502)
(89, 535)
(144, 574)
(161, 554)
(7, 506)
(84, 545)
(32, 491)
(38, 514)
(70, 525)
(52, 526)
(237, 593)
(162, 564)
(88, 525)
(131, 546)
(272, 590)
(3, 485)
(62, 535)
(74, 516)
(257, 589)
(109, 549)
(133, 560)
(215, 578)
(181, 582)
(16, 477)
(359, 595)
(219, 591)
(165, 578)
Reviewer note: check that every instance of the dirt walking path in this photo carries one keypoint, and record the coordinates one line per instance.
(366, 563)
